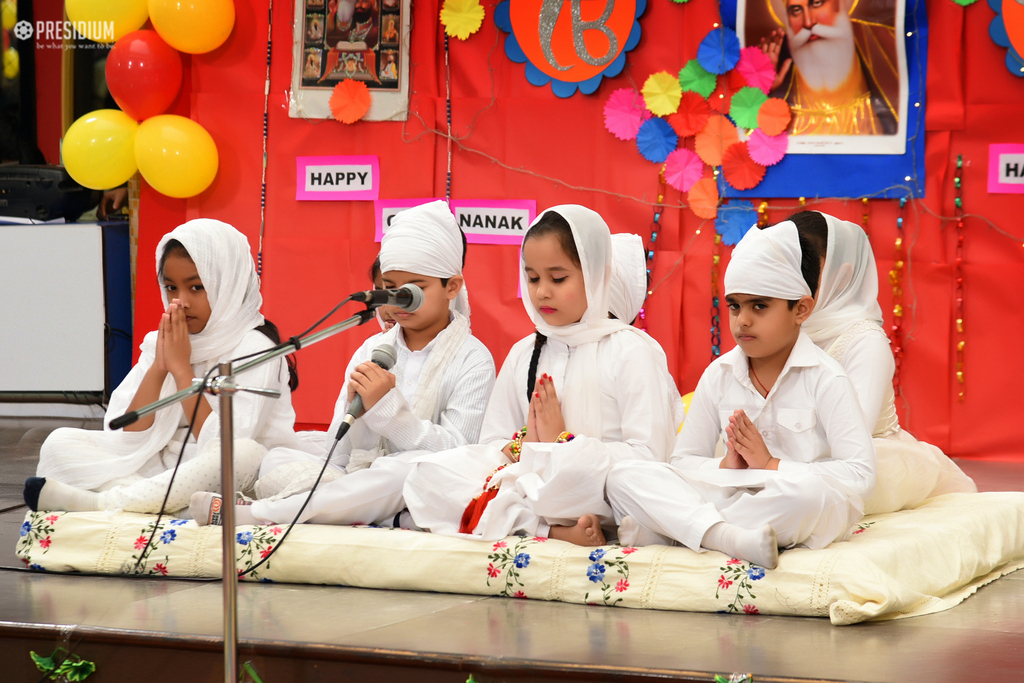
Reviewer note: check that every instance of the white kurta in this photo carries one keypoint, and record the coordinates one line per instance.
(552, 483)
(908, 471)
(375, 493)
(810, 421)
(100, 460)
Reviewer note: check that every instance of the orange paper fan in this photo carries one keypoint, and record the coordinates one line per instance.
(773, 116)
(716, 137)
(740, 170)
(350, 101)
(692, 115)
(703, 198)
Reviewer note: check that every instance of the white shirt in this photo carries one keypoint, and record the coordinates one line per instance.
(636, 401)
(810, 420)
(466, 383)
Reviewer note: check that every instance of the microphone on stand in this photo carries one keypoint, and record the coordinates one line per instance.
(407, 297)
(385, 356)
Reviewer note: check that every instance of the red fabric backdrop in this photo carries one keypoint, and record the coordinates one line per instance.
(519, 141)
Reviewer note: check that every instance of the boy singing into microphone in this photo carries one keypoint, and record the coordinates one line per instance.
(433, 398)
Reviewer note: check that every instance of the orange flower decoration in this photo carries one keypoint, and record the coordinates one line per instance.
(350, 101)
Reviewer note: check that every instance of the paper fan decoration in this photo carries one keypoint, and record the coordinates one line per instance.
(716, 137)
(692, 115)
(462, 18)
(350, 101)
(767, 150)
(756, 69)
(742, 172)
(719, 51)
(624, 112)
(683, 168)
(734, 220)
(695, 78)
(703, 198)
(662, 93)
(745, 105)
(656, 139)
(1007, 30)
(774, 115)
(728, 85)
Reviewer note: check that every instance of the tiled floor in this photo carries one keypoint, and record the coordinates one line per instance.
(978, 640)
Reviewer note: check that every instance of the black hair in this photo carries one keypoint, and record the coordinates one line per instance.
(375, 271)
(172, 248)
(465, 246)
(551, 223)
(812, 231)
(268, 329)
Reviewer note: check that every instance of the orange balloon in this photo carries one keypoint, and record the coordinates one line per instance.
(193, 26)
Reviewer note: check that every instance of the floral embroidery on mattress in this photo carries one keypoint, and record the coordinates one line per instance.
(862, 527)
(508, 562)
(741, 575)
(603, 562)
(166, 533)
(37, 531)
(256, 546)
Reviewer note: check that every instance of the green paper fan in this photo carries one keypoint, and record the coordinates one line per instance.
(745, 105)
(696, 79)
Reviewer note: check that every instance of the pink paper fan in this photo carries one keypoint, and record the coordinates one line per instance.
(756, 68)
(683, 168)
(624, 112)
(767, 150)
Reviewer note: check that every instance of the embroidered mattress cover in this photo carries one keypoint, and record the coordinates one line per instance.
(900, 564)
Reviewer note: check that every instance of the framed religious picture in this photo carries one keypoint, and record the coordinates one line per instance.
(365, 40)
(842, 67)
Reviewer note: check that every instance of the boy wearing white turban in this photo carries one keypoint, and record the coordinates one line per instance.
(799, 458)
(431, 400)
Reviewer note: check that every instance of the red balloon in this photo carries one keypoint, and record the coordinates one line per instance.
(143, 74)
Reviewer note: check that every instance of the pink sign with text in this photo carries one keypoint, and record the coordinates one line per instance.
(485, 221)
(337, 178)
(1006, 169)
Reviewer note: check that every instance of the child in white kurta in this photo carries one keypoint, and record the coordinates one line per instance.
(615, 393)
(847, 323)
(799, 457)
(433, 401)
(132, 469)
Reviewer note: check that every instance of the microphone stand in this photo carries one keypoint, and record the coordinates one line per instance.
(224, 387)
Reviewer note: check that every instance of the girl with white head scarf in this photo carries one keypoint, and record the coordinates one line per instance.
(133, 468)
(847, 323)
(608, 381)
(629, 277)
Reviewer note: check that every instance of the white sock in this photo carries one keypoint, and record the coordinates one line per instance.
(57, 496)
(205, 509)
(635, 535)
(758, 546)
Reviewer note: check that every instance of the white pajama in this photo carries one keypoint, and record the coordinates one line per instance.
(810, 421)
(138, 465)
(552, 483)
(374, 493)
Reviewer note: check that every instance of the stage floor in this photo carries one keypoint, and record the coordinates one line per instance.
(298, 632)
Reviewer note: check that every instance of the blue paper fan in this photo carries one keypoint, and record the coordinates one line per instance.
(656, 140)
(719, 52)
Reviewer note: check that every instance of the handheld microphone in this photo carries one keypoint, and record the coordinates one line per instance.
(407, 297)
(385, 356)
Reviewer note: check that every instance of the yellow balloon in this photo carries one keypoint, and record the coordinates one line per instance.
(104, 21)
(12, 63)
(193, 26)
(9, 12)
(98, 150)
(175, 155)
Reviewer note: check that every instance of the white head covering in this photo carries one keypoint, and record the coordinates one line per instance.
(629, 277)
(226, 268)
(767, 263)
(594, 245)
(426, 240)
(848, 292)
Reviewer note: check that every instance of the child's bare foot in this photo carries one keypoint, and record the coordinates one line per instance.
(587, 531)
